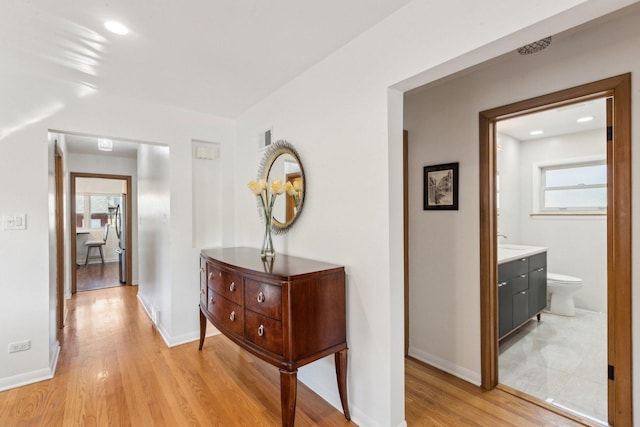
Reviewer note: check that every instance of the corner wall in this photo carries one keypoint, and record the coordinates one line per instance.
(346, 123)
(443, 120)
(27, 258)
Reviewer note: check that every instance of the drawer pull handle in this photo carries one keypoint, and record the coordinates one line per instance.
(201, 291)
(232, 316)
(211, 275)
(523, 292)
(502, 284)
(261, 297)
(261, 330)
(210, 300)
(202, 269)
(232, 287)
(523, 259)
(523, 276)
(540, 269)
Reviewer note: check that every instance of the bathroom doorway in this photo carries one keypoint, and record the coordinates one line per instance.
(616, 91)
(551, 198)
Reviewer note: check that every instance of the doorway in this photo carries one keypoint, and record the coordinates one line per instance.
(618, 90)
(105, 223)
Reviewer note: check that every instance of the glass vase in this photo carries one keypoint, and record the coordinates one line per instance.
(267, 244)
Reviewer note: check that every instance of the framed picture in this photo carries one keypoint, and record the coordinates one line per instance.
(441, 187)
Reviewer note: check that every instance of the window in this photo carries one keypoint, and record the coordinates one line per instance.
(93, 210)
(80, 210)
(575, 187)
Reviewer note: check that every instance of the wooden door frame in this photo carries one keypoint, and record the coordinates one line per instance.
(72, 228)
(618, 227)
(405, 232)
(59, 219)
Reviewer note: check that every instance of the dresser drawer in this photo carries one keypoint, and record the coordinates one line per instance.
(225, 283)
(263, 331)
(203, 282)
(263, 298)
(225, 311)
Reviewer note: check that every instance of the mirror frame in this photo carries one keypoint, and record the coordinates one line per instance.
(273, 151)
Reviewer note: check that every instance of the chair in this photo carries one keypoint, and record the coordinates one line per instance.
(90, 244)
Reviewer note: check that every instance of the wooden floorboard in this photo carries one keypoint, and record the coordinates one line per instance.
(115, 370)
(435, 398)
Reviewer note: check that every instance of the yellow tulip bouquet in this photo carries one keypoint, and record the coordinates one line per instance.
(267, 194)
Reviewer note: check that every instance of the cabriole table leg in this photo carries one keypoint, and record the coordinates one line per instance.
(341, 374)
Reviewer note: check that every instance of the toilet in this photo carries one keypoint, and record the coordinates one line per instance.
(562, 288)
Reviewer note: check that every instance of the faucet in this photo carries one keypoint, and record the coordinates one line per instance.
(501, 235)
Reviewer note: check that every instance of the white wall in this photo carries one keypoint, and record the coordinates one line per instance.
(443, 122)
(27, 258)
(508, 167)
(443, 245)
(208, 200)
(347, 126)
(154, 219)
(577, 245)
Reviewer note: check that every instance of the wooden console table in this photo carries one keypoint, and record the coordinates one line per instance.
(287, 311)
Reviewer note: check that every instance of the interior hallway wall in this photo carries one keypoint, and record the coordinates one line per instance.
(346, 123)
(27, 258)
(442, 120)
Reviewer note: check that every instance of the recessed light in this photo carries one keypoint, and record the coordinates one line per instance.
(536, 132)
(116, 28)
(105, 144)
(584, 119)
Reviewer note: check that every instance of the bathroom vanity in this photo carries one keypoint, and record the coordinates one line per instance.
(522, 285)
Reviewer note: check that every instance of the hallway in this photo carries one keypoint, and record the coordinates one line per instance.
(115, 370)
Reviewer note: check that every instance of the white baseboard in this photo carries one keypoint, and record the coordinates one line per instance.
(33, 376)
(169, 340)
(445, 365)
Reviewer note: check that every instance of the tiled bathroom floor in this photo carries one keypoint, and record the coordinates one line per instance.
(562, 360)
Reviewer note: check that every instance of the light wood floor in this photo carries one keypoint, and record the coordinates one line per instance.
(115, 370)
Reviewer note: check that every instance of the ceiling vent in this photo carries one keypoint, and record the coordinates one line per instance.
(535, 47)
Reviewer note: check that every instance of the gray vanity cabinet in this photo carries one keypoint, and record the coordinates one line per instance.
(522, 290)
(537, 283)
(505, 309)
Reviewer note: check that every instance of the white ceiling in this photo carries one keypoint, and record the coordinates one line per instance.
(212, 56)
(558, 121)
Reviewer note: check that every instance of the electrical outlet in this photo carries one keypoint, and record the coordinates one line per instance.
(19, 346)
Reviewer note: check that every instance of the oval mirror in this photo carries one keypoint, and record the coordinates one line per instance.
(281, 161)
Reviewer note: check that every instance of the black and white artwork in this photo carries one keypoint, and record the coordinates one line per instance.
(441, 187)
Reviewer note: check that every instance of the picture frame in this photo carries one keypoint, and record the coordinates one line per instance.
(441, 187)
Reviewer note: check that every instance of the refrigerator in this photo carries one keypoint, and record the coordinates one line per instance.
(121, 233)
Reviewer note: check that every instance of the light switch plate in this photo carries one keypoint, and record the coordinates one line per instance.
(14, 222)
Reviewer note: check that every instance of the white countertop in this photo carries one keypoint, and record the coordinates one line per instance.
(508, 253)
